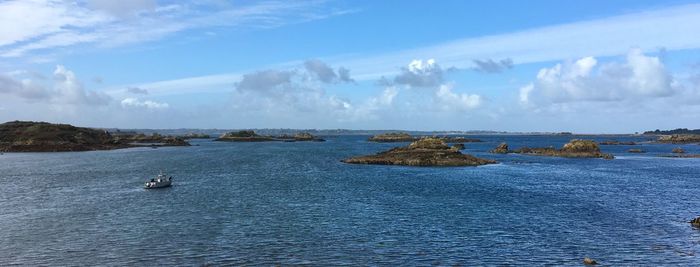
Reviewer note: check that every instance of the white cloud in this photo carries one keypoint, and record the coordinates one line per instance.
(325, 73)
(132, 102)
(122, 7)
(65, 88)
(25, 20)
(611, 36)
(297, 92)
(449, 100)
(639, 76)
(71, 91)
(420, 73)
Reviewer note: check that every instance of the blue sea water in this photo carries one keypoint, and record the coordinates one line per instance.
(297, 204)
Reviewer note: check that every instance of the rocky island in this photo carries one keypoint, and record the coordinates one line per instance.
(392, 137)
(405, 137)
(424, 152)
(26, 136)
(196, 136)
(252, 136)
(679, 139)
(576, 148)
(616, 143)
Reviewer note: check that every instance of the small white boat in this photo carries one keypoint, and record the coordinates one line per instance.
(159, 182)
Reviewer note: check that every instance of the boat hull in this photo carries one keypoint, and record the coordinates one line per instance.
(153, 185)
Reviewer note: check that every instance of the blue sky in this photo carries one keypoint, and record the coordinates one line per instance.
(584, 66)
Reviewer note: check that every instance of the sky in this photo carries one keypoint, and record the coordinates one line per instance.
(581, 66)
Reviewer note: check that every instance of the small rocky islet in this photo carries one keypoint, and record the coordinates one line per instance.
(28, 136)
(576, 148)
(424, 152)
(617, 143)
(398, 137)
(252, 136)
(679, 139)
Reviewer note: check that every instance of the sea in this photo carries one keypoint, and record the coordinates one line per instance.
(288, 204)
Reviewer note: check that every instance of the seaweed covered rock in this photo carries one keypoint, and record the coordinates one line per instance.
(501, 149)
(424, 152)
(576, 148)
(392, 137)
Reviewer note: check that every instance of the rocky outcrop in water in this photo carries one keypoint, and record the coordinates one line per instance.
(636, 150)
(424, 152)
(615, 143)
(458, 146)
(153, 139)
(678, 150)
(196, 136)
(405, 137)
(27, 136)
(251, 136)
(244, 136)
(695, 222)
(501, 149)
(589, 261)
(576, 148)
(392, 137)
(459, 139)
(679, 139)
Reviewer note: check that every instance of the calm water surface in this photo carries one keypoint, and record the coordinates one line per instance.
(296, 203)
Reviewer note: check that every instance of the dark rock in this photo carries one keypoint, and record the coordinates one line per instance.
(576, 148)
(196, 136)
(695, 222)
(424, 152)
(589, 261)
(678, 150)
(501, 149)
(636, 150)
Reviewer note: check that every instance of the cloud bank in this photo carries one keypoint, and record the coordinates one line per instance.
(639, 76)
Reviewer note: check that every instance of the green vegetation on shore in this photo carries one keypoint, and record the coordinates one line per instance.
(27, 136)
(251, 136)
